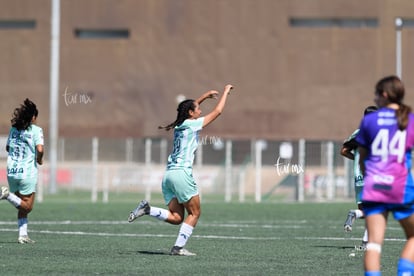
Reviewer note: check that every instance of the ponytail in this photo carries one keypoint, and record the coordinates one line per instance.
(182, 114)
(22, 116)
(394, 88)
(402, 116)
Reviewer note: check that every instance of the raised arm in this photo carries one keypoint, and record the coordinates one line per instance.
(219, 107)
(212, 94)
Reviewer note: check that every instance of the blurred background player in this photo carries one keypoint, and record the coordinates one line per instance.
(178, 186)
(349, 150)
(386, 139)
(25, 151)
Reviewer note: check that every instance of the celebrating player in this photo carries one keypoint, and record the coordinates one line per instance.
(178, 186)
(385, 140)
(25, 151)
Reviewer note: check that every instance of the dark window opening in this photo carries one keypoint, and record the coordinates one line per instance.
(17, 24)
(333, 22)
(407, 23)
(102, 33)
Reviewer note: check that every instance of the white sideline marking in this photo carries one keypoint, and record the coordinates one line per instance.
(285, 224)
(213, 237)
(233, 224)
(223, 225)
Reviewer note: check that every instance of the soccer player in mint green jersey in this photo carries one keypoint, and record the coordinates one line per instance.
(349, 150)
(25, 152)
(178, 186)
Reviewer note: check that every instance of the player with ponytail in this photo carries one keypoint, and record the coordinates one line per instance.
(25, 152)
(385, 140)
(178, 185)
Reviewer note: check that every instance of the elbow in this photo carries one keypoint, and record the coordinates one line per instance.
(39, 149)
(217, 115)
(39, 154)
(218, 111)
(346, 152)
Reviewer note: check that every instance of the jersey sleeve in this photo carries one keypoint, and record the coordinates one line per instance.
(351, 142)
(410, 131)
(9, 137)
(38, 137)
(197, 124)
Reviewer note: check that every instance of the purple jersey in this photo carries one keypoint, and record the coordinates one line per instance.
(388, 164)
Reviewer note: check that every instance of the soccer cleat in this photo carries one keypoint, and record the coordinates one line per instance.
(4, 192)
(349, 221)
(25, 239)
(362, 247)
(179, 251)
(143, 208)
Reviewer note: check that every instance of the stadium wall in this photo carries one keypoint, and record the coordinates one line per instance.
(302, 69)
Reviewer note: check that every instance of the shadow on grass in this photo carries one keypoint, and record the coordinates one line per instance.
(156, 252)
(14, 242)
(146, 252)
(334, 246)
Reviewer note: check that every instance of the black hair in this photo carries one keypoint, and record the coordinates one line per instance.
(370, 109)
(182, 114)
(23, 115)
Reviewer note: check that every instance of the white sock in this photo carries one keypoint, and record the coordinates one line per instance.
(159, 213)
(22, 223)
(359, 213)
(365, 238)
(14, 200)
(184, 234)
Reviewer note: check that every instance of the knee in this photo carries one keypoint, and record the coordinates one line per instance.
(176, 219)
(177, 222)
(197, 213)
(25, 209)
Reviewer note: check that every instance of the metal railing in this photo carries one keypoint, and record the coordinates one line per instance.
(238, 170)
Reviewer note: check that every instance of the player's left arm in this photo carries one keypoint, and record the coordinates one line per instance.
(212, 94)
(8, 142)
(363, 153)
(39, 146)
(347, 152)
(39, 154)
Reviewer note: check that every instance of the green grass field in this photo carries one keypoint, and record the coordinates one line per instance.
(75, 237)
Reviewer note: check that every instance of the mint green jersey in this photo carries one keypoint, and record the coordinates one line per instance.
(21, 160)
(358, 176)
(351, 143)
(185, 144)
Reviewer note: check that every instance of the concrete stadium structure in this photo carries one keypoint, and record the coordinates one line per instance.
(301, 69)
